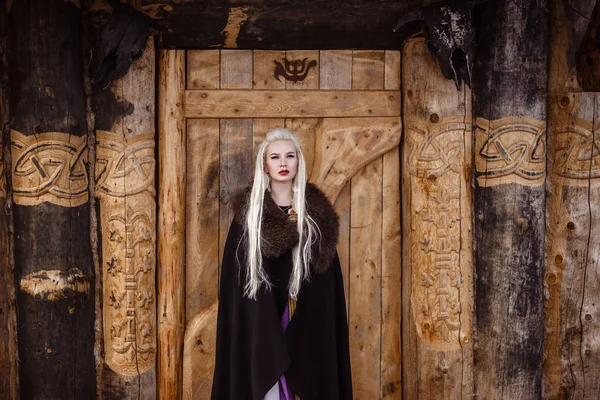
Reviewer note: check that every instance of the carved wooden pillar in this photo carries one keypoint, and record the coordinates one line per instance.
(125, 187)
(8, 320)
(571, 349)
(437, 251)
(53, 267)
(509, 117)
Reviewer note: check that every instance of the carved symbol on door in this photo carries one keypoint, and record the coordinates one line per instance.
(293, 71)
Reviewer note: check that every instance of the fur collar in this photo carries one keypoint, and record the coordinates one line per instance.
(279, 230)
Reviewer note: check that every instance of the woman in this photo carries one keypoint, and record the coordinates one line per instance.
(282, 328)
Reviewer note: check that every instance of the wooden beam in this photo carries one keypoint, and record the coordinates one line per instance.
(53, 266)
(509, 117)
(171, 222)
(437, 250)
(276, 25)
(290, 104)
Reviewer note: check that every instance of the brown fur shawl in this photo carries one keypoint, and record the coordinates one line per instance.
(279, 232)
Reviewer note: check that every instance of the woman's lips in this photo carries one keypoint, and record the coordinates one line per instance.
(284, 172)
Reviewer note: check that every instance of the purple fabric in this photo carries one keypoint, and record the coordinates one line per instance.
(284, 391)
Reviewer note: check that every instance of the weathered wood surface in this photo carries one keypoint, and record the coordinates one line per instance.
(8, 313)
(437, 283)
(585, 15)
(171, 222)
(125, 187)
(274, 24)
(53, 265)
(509, 113)
(290, 104)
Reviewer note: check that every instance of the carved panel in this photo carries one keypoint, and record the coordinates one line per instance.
(510, 150)
(2, 176)
(576, 154)
(125, 186)
(49, 167)
(436, 166)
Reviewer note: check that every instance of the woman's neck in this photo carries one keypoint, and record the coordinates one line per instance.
(282, 193)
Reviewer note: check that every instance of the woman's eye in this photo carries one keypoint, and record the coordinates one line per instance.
(274, 157)
(291, 155)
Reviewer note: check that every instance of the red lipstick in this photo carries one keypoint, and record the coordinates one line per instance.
(284, 172)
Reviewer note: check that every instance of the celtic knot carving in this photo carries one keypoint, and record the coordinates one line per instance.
(436, 165)
(576, 155)
(510, 150)
(124, 168)
(49, 167)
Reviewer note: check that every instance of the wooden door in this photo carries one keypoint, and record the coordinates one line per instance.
(345, 107)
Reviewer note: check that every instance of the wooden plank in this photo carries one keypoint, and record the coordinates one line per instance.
(203, 70)
(346, 145)
(305, 129)
(236, 170)
(391, 357)
(236, 69)
(264, 67)
(342, 208)
(53, 268)
(364, 312)
(572, 250)
(125, 186)
(171, 221)
(336, 69)
(290, 104)
(368, 68)
(437, 338)
(202, 216)
(304, 66)
(510, 197)
(260, 128)
(392, 70)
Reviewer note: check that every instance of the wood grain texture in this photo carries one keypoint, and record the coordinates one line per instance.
(125, 186)
(364, 311)
(392, 70)
(171, 221)
(437, 330)
(572, 252)
(391, 276)
(202, 216)
(290, 104)
(236, 69)
(346, 145)
(302, 60)
(335, 69)
(368, 70)
(264, 66)
(53, 268)
(510, 218)
(203, 70)
(342, 208)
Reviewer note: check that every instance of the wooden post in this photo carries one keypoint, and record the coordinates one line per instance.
(570, 347)
(125, 166)
(53, 267)
(437, 252)
(8, 313)
(171, 222)
(509, 116)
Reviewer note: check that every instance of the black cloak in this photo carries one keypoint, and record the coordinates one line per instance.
(252, 352)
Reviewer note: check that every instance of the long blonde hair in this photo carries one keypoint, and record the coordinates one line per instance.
(308, 231)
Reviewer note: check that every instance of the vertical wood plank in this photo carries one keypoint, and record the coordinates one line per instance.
(305, 66)
(236, 169)
(202, 215)
(391, 357)
(264, 68)
(305, 129)
(509, 106)
(368, 68)
(437, 336)
(171, 222)
(203, 69)
(236, 69)
(342, 208)
(392, 70)
(365, 281)
(335, 69)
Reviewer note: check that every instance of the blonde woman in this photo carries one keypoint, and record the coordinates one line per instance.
(282, 331)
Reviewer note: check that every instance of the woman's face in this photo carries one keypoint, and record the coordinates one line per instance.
(281, 161)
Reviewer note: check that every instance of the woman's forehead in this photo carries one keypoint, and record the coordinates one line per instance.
(281, 146)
